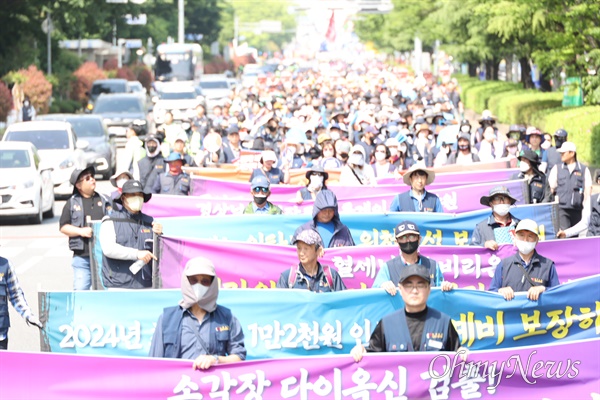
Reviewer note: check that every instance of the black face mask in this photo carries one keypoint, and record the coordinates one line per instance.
(559, 142)
(151, 149)
(409, 247)
(272, 128)
(463, 147)
(260, 200)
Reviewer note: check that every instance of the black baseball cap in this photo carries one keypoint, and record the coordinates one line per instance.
(415, 270)
(406, 227)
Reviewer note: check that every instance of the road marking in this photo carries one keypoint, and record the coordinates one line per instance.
(31, 262)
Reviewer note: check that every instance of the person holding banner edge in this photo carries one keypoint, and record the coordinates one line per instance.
(260, 191)
(527, 270)
(416, 327)
(198, 328)
(408, 238)
(499, 227)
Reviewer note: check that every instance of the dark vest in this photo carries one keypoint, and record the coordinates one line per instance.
(397, 336)
(78, 219)
(407, 203)
(571, 186)
(395, 266)
(4, 316)
(594, 226)
(172, 327)
(131, 230)
(513, 272)
(537, 188)
(178, 185)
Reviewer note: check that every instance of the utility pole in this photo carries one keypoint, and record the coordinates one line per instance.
(49, 43)
(180, 30)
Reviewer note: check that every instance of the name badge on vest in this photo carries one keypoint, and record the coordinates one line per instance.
(426, 209)
(436, 344)
(1, 276)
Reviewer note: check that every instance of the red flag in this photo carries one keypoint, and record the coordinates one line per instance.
(330, 35)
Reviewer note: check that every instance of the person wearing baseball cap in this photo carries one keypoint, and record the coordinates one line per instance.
(268, 169)
(260, 189)
(463, 154)
(571, 182)
(309, 274)
(590, 219)
(499, 227)
(179, 146)
(416, 327)
(526, 271)
(84, 205)
(560, 136)
(537, 182)
(174, 180)
(198, 328)
(153, 164)
(408, 238)
(126, 239)
(417, 199)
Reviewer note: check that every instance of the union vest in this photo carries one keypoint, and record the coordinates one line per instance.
(273, 209)
(219, 338)
(537, 188)
(4, 315)
(571, 186)
(179, 185)
(395, 266)
(78, 219)
(435, 331)
(131, 230)
(407, 204)
(594, 226)
(513, 272)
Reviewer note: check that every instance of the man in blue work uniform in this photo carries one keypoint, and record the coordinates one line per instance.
(174, 180)
(84, 205)
(416, 327)
(309, 273)
(260, 191)
(408, 238)
(198, 328)
(417, 199)
(11, 290)
(499, 227)
(527, 270)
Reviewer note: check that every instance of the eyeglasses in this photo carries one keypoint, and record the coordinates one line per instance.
(85, 178)
(260, 189)
(408, 238)
(411, 286)
(316, 174)
(500, 200)
(206, 281)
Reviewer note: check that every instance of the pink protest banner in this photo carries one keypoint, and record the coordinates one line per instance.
(259, 265)
(557, 371)
(454, 200)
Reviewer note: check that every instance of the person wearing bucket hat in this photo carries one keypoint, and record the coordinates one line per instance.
(118, 180)
(534, 139)
(268, 169)
(310, 274)
(153, 164)
(198, 328)
(571, 182)
(231, 149)
(174, 180)
(316, 182)
(526, 271)
(499, 227)
(84, 205)
(260, 191)
(408, 238)
(415, 327)
(463, 154)
(126, 238)
(537, 183)
(417, 199)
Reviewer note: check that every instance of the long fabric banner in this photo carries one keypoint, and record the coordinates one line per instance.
(281, 322)
(559, 371)
(467, 267)
(366, 229)
(209, 186)
(454, 200)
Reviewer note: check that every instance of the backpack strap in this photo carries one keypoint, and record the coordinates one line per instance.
(328, 275)
(293, 276)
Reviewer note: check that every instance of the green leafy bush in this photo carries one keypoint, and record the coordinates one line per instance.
(64, 106)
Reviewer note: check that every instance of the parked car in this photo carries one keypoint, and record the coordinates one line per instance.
(57, 147)
(101, 153)
(118, 111)
(106, 86)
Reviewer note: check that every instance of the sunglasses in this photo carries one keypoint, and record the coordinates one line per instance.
(260, 189)
(316, 174)
(86, 178)
(205, 281)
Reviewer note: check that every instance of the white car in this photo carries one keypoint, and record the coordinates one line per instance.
(181, 101)
(26, 188)
(215, 88)
(57, 146)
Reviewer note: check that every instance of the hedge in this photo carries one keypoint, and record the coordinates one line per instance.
(511, 105)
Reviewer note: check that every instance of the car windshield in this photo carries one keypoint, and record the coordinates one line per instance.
(214, 85)
(14, 159)
(113, 87)
(118, 105)
(87, 127)
(43, 140)
(177, 95)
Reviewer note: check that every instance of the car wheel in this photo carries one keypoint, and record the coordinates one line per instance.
(37, 219)
(50, 212)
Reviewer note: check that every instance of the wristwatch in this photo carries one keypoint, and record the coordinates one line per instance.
(216, 359)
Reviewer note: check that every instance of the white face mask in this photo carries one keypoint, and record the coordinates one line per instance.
(316, 180)
(356, 159)
(327, 153)
(135, 203)
(525, 247)
(121, 182)
(393, 151)
(199, 290)
(335, 135)
(465, 128)
(524, 167)
(380, 156)
(501, 209)
(402, 148)
(545, 145)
